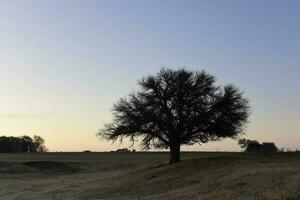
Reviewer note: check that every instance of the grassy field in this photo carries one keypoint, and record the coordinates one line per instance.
(137, 176)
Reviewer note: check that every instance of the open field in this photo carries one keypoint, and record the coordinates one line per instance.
(146, 176)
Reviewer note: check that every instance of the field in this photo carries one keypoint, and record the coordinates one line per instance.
(137, 176)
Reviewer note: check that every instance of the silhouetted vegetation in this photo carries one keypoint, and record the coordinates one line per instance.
(22, 144)
(178, 107)
(255, 146)
(125, 150)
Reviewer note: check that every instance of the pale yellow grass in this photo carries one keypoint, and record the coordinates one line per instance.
(137, 176)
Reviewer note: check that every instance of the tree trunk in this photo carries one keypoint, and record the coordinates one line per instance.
(174, 154)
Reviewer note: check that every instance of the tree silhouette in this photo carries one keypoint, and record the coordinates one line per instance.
(178, 107)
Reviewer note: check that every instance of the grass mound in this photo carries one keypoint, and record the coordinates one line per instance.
(252, 177)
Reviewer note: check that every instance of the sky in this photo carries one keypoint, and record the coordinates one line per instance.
(63, 63)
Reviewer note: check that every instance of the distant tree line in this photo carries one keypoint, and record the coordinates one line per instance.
(10, 144)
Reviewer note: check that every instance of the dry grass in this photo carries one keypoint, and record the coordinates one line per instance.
(137, 176)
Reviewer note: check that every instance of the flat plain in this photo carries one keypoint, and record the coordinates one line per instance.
(137, 176)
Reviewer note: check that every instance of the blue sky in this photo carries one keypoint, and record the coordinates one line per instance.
(64, 63)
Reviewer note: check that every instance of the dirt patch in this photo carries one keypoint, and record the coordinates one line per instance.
(53, 166)
(12, 168)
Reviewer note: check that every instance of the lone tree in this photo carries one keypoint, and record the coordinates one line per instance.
(175, 108)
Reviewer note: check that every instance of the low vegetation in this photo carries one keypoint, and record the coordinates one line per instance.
(137, 176)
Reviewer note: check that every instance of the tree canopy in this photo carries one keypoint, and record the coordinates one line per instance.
(178, 107)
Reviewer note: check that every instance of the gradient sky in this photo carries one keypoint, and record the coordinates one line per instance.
(64, 63)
